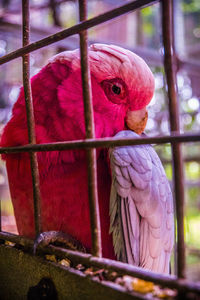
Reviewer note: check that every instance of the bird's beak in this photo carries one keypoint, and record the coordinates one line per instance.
(136, 120)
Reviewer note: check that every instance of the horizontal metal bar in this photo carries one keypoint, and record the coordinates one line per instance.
(111, 265)
(77, 28)
(127, 269)
(17, 239)
(151, 56)
(102, 143)
(22, 271)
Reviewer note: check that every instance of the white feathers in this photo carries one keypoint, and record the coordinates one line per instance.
(141, 207)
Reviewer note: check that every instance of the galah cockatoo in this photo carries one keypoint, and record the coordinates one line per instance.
(122, 87)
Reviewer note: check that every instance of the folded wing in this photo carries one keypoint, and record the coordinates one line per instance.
(141, 207)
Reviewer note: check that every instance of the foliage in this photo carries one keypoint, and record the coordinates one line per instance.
(147, 15)
(192, 230)
(190, 6)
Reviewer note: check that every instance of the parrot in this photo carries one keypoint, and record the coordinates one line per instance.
(122, 86)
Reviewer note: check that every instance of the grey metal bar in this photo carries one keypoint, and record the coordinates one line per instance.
(90, 133)
(30, 117)
(170, 65)
(108, 264)
(102, 142)
(77, 28)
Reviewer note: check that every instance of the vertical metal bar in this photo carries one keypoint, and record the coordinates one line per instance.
(169, 64)
(30, 118)
(90, 133)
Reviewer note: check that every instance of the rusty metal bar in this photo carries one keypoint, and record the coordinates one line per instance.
(102, 142)
(151, 56)
(17, 239)
(122, 268)
(30, 117)
(170, 64)
(90, 133)
(77, 28)
(126, 269)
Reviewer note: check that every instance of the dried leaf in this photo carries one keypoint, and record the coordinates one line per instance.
(126, 281)
(142, 286)
(120, 281)
(89, 271)
(51, 257)
(97, 272)
(111, 276)
(65, 262)
(8, 243)
(80, 267)
(164, 293)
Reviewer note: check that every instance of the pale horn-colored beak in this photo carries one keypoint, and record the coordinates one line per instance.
(136, 120)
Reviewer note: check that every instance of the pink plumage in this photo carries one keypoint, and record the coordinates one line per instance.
(121, 82)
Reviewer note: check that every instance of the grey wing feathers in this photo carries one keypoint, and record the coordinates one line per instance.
(141, 207)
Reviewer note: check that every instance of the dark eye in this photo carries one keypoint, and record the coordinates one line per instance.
(116, 89)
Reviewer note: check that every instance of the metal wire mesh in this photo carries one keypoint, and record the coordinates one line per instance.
(91, 143)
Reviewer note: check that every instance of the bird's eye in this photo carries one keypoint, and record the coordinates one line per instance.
(116, 89)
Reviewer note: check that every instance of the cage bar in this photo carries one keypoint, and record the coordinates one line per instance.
(122, 268)
(30, 118)
(103, 142)
(129, 7)
(90, 133)
(169, 64)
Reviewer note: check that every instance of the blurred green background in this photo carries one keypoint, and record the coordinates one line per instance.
(141, 32)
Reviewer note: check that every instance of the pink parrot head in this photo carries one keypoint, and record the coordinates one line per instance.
(122, 86)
